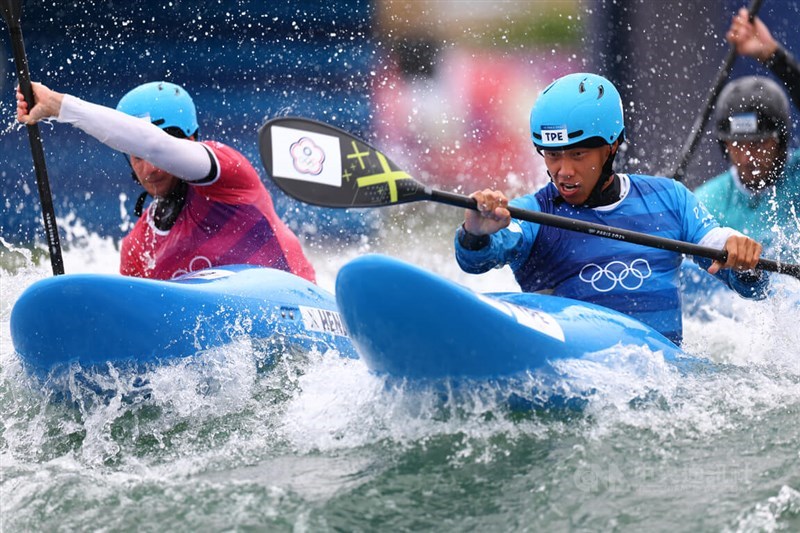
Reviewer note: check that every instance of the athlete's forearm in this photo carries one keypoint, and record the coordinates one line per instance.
(183, 158)
(787, 69)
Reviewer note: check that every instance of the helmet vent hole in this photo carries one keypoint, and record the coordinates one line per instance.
(581, 88)
(600, 91)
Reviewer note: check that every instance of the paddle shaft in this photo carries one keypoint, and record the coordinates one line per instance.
(375, 181)
(609, 232)
(11, 12)
(700, 122)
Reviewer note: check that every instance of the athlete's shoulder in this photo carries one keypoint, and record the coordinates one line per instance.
(792, 168)
(647, 186)
(233, 165)
(541, 200)
(715, 186)
(222, 148)
(659, 182)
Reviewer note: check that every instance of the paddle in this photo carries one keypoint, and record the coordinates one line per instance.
(323, 165)
(724, 71)
(12, 13)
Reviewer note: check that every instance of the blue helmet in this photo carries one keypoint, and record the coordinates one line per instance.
(581, 108)
(165, 104)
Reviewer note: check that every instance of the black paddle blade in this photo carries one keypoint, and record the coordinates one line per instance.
(12, 12)
(322, 165)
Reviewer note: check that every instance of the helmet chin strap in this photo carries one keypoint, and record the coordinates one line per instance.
(165, 209)
(138, 209)
(599, 196)
(168, 208)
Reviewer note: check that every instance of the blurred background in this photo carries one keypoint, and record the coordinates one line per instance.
(444, 87)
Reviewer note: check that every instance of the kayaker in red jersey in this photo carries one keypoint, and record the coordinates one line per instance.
(209, 205)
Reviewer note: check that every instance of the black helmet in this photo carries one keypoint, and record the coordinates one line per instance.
(752, 108)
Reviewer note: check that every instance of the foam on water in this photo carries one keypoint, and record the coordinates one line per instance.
(760, 339)
(766, 515)
(230, 425)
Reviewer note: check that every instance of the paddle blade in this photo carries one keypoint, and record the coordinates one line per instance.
(12, 12)
(322, 165)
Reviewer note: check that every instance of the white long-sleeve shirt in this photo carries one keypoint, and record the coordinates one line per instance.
(183, 158)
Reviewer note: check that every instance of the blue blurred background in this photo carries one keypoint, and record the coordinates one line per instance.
(243, 62)
(442, 86)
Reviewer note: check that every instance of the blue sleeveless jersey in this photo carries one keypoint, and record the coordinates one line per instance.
(637, 280)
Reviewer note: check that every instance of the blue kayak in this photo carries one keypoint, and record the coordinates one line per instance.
(410, 323)
(93, 320)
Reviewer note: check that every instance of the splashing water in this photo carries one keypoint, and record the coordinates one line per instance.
(320, 443)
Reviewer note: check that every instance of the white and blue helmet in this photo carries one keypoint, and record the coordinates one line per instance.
(165, 104)
(577, 110)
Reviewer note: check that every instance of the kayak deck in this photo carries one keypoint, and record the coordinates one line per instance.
(93, 320)
(410, 323)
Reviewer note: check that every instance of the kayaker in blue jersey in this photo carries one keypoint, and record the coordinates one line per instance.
(577, 126)
(760, 193)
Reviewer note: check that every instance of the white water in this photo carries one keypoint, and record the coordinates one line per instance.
(215, 431)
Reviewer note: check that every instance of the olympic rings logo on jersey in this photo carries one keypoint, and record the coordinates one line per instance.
(605, 279)
(199, 262)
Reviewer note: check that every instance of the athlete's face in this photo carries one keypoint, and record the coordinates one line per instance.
(575, 172)
(155, 181)
(754, 161)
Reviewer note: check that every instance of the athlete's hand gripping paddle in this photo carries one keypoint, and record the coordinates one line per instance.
(12, 13)
(700, 122)
(323, 165)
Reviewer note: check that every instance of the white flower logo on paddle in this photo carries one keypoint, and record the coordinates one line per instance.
(307, 157)
(605, 279)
